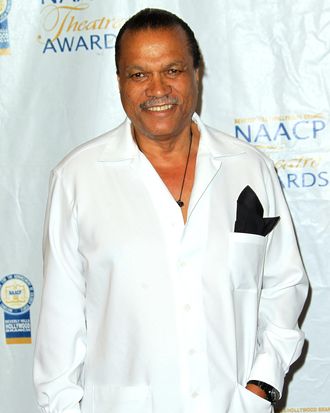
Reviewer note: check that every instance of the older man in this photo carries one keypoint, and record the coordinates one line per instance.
(171, 285)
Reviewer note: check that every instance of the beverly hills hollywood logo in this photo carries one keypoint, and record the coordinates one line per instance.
(5, 6)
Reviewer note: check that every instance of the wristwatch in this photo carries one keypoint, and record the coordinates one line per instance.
(272, 395)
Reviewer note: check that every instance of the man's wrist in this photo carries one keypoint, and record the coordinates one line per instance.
(256, 390)
(264, 390)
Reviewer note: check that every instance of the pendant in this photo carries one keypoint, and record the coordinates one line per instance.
(180, 203)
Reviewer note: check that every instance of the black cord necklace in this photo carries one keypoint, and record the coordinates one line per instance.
(179, 201)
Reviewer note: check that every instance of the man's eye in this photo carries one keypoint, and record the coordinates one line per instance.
(137, 76)
(173, 72)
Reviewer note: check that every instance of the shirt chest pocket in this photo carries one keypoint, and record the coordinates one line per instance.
(246, 260)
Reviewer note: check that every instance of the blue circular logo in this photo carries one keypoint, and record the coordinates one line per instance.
(16, 294)
(5, 6)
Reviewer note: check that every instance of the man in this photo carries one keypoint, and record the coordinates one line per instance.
(152, 302)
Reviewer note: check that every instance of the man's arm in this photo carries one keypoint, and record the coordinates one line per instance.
(282, 298)
(61, 338)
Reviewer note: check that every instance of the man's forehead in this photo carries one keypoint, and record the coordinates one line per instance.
(163, 65)
(148, 34)
(170, 45)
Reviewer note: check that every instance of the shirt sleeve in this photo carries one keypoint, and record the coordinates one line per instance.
(283, 294)
(61, 337)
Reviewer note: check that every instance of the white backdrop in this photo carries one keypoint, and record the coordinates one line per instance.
(266, 81)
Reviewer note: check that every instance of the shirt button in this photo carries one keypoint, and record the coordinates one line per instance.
(192, 351)
(187, 307)
(182, 264)
(194, 394)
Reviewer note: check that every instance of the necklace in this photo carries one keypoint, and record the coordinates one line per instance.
(179, 201)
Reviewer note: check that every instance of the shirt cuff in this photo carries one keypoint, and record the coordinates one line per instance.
(267, 370)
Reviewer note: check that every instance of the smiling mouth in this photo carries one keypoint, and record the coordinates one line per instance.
(159, 104)
(159, 108)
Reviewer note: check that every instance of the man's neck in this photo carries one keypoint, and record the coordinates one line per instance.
(167, 150)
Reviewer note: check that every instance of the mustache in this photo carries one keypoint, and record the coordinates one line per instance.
(165, 100)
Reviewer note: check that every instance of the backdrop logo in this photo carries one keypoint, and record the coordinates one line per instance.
(302, 172)
(56, 1)
(305, 409)
(16, 297)
(71, 27)
(276, 132)
(5, 6)
(286, 139)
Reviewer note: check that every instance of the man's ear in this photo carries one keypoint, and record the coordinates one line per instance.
(197, 75)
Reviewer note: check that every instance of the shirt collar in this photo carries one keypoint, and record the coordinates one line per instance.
(122, 147)
(216, 143)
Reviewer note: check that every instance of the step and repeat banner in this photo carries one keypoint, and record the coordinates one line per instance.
(266, 81)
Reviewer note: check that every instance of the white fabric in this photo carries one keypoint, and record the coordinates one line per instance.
(142, 313)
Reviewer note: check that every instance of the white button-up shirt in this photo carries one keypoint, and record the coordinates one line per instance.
(142, 313)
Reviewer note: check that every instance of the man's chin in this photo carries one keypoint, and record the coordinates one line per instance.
(159, 130)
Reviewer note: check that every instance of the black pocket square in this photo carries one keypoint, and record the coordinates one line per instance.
(249, 215)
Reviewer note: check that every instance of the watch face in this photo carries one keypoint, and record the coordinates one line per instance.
(274, 395)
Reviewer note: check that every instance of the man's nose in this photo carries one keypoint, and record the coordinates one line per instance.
(158, 86)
